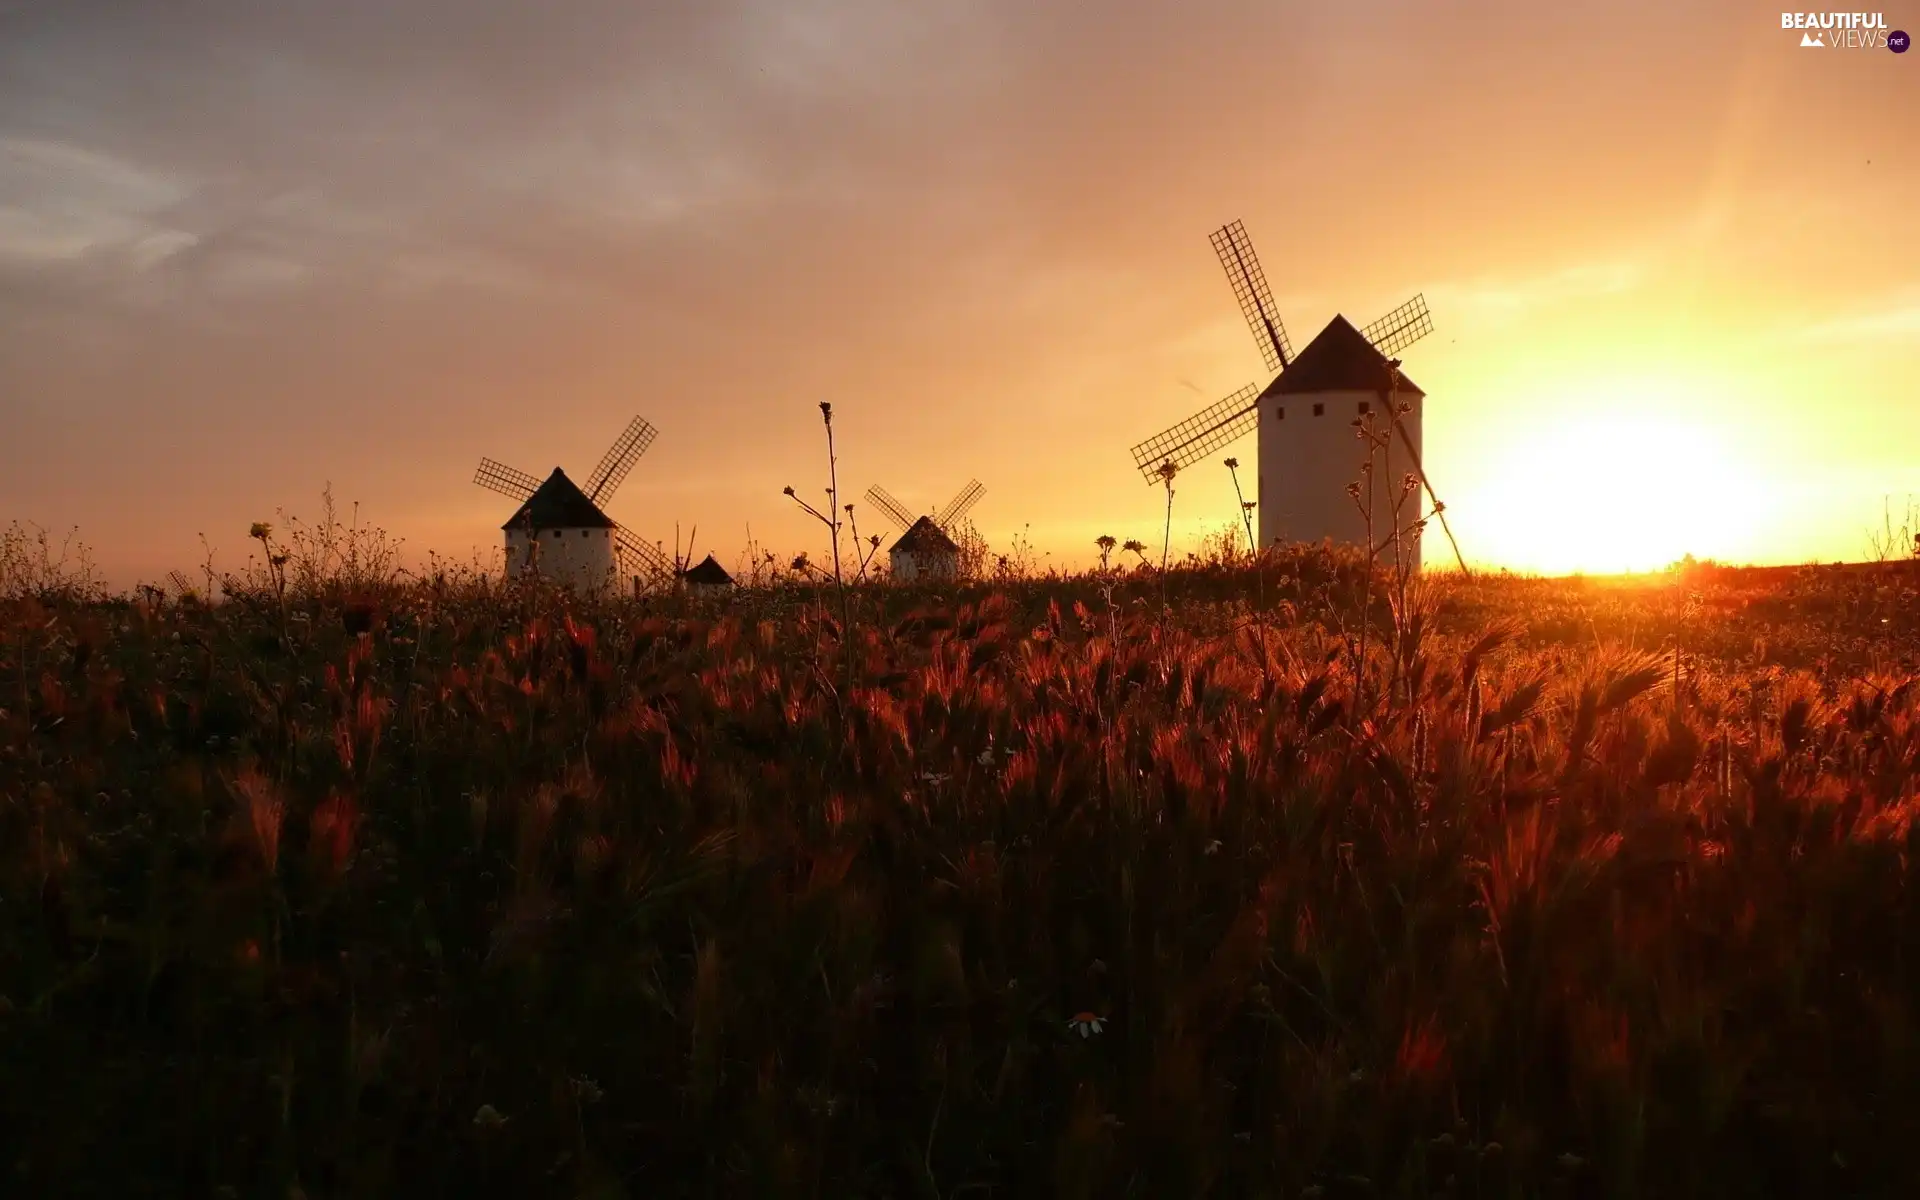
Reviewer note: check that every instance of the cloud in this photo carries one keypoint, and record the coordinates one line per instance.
(1493, 301)
(443, 144)
(61, 202)
(1896, 319)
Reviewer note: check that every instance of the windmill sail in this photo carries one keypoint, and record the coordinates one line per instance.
(960, 505)
(1400, 328)
(901, 516)
(1199, 435)
(1249, 282)
(501, 478)
(619, 459)
(639, 558)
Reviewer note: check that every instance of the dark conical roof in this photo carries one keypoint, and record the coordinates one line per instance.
(559, 504)
(924, 537)
(709, 572)
(1340, 359)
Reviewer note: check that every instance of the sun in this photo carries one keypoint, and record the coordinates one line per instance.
(1629, 478)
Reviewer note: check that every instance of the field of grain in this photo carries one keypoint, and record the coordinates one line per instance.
(1236, 881)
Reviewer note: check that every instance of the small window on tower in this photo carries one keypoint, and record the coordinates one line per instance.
(1279, 414)
(556, 533)
(1366, 406)
(1319, 410)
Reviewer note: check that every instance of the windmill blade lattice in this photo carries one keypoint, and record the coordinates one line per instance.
(1249, 282)
(640, 558)
(1391, 334)
(180, 585)
(960, 505)
(898, 513)
(501, 478)
(1199, 435)
(1400, 328)
(619, 459)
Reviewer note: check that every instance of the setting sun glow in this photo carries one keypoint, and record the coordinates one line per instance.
(1631, 483)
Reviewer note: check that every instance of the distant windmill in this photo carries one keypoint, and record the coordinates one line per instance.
(577, 542)
(181, 587)
(926, 545)
(709, 578)
(1307, 463)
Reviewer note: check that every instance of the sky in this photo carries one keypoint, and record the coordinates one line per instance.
(250, 250)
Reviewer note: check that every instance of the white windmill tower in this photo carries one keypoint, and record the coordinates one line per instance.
(1305, 417)
(926, 547)
(560, 532)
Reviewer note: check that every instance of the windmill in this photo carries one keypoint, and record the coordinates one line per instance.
(926, 545)
(577, 542)
(1305, 466)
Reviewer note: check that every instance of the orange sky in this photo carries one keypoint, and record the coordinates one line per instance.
(246, 249)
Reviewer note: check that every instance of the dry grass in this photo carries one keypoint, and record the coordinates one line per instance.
(442, 889)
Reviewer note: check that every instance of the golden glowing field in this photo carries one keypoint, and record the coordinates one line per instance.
(1511, 887)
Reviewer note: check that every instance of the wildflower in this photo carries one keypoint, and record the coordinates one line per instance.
(1213, 848)
(934, 777)
(1086, 1024)
(488, 1117)
(986, 757)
